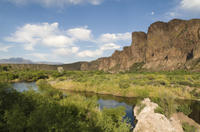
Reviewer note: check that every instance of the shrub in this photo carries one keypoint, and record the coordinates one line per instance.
(140, 106)
(124, 84)
(195, 93)
(185, 108)
(137, 67)
(167, 103)
(159, 110)
(185, 83)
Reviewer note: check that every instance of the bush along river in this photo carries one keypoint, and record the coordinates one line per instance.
(110, 101)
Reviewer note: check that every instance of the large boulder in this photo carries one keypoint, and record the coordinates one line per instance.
(149, 121)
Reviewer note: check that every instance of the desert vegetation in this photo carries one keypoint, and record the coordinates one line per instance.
(164, 88)
(179, 84)
(49, 110)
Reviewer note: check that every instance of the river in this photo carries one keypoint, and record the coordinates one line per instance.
(110, 101)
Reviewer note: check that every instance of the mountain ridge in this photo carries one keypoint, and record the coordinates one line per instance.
(166, 46)
(20, 60)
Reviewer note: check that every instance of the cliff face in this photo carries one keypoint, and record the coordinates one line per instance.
(166, 46)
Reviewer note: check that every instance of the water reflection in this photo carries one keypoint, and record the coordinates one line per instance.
(110, 101)
(24, 86)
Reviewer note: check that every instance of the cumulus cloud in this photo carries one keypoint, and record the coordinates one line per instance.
(191, 5)
(65, 42)
(108, 37)
(66, 51)
(82, 33)
(57, 41)
(58, 3)
(90, 53)
(99, 51)
(4, 48)
(185, 8)
(47, 34)
(109, 46)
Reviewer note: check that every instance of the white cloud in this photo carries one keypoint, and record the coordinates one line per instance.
(58, 41)
(58, 3)
(47, 34)
(114, 37)
(63, 43)
(191, 5)
(82, 33)
(90, 53)
(4, 48)
(152, 13)
(42, 34)
(66, 51)
(99, 51)
(185, 9)
(110, 46)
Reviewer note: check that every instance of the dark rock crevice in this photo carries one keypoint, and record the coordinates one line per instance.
(190, 55)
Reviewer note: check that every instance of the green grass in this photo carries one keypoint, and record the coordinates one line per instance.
(188, 128)
(132, 84)
(140, 106)
(159, 110)
(47, 110)
(181, 84)
(185, 108)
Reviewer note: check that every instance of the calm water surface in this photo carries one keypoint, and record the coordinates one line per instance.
(109, 101)
(103, 100)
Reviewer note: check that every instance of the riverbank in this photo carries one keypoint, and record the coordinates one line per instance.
(181, 85)
(132, 91)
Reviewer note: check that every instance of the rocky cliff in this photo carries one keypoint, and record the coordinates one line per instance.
(166, 46)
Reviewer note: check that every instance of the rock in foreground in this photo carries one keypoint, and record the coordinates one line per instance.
(149, 121)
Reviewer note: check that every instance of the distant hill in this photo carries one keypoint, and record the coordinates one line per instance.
(15, 61)
(19, 60)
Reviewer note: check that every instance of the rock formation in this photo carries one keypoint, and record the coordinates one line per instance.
(166, 46)
(149, 121)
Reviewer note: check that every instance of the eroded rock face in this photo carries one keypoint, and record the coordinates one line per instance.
(166, 46)
(149, 121)
(171, 45)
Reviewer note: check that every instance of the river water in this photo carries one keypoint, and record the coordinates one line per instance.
(110, 101)
(103, 100)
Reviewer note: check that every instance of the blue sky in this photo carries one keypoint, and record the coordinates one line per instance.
(80, 30)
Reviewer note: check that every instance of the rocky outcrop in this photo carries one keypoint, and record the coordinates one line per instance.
(149, 121)
(166, 46)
